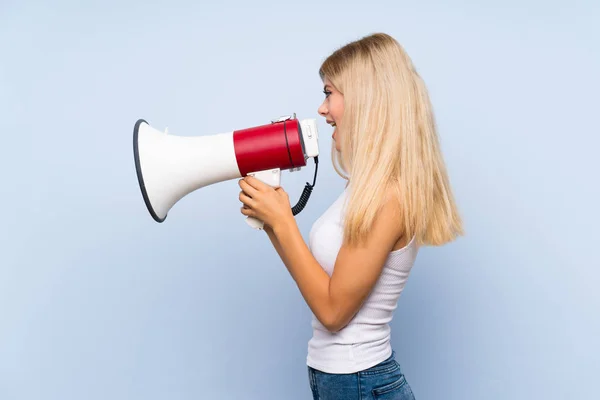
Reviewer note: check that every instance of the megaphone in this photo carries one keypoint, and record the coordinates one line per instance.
(169, 167)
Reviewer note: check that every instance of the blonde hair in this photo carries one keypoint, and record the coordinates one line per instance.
(389, 143)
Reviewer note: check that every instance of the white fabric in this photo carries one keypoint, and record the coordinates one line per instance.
(365, 341)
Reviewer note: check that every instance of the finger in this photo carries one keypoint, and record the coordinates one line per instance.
(257, 184)
(247, 200)
(247, 211)
(282, 193)
(249, 189)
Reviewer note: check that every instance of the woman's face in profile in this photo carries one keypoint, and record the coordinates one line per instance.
(332, 109)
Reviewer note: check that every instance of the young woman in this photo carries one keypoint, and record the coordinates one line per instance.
(362, 249)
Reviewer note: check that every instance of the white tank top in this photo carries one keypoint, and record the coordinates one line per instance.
(365, 341)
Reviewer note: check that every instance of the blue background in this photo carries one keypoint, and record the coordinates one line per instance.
(97, 301)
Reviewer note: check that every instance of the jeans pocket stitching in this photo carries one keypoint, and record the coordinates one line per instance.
(380, 371)
(397, 384)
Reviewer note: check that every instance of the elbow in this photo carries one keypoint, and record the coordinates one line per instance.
(334, 325)
(329, 320)
(330, 324)
(336, 319)
(331, 328)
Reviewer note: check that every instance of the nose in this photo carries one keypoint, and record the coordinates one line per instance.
(323, 110)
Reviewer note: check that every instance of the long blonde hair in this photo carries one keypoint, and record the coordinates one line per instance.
(389, 142)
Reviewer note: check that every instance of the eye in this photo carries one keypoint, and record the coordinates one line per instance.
(327, 93)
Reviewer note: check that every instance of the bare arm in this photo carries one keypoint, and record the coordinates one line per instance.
(275, 243)
(336, 300)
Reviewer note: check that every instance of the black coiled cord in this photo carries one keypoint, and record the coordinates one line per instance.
(306, 192)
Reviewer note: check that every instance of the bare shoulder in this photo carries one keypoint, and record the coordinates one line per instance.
(385, 235)
(389, 223)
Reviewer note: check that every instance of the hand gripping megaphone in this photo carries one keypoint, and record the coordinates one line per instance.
(169, 167)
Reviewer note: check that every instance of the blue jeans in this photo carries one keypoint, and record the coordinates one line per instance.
(382, 381)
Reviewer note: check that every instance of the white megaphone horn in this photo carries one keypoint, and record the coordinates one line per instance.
(169, 167)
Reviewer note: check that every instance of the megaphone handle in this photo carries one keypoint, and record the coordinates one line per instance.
(271, 177)
(255, 223)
